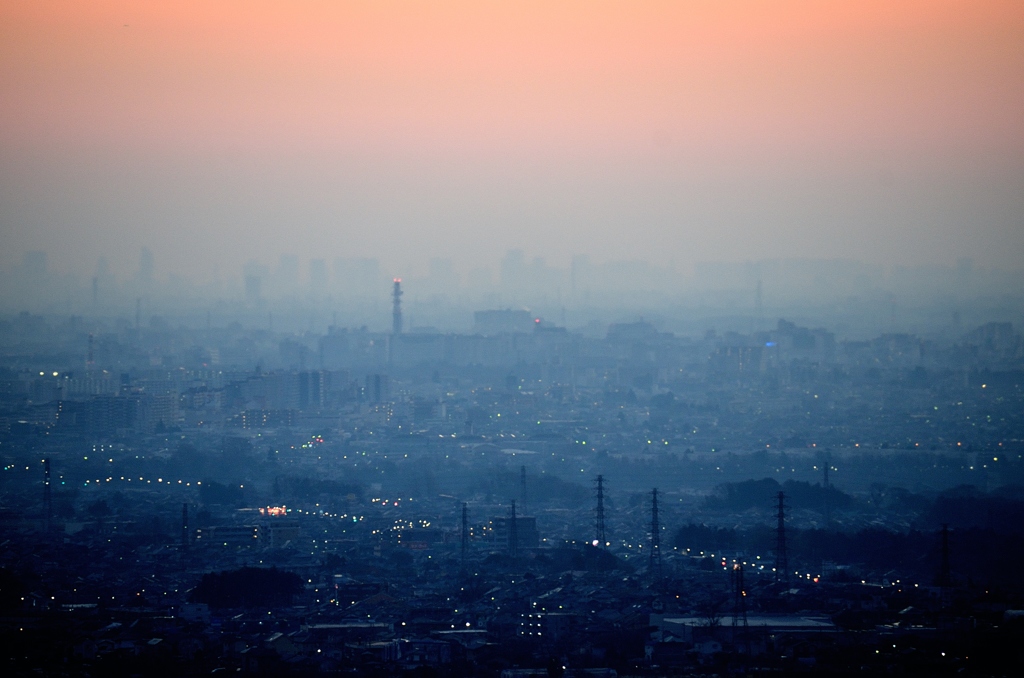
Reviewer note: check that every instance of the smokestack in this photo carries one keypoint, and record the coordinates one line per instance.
(600, 538)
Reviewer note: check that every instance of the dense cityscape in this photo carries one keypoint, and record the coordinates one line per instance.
(518, 499)
(532, 339)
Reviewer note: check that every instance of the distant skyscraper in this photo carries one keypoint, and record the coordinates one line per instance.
(396, 308)
(253, 288)
(318, 276)
(579, 275)
(513, 273)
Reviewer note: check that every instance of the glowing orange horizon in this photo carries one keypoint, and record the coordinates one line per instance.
(488, 79)
(660, 129)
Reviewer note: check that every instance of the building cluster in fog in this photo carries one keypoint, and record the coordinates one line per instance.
(865, 299)
(199, 494)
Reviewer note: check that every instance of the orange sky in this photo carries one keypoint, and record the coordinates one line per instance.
(572, 90)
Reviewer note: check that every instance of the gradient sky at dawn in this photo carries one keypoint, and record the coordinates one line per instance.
(215, 132)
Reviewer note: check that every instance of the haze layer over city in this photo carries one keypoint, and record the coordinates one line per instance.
(511, 339)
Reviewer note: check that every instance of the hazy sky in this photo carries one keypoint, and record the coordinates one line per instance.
(214, 132)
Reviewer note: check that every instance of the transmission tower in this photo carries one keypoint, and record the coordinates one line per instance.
(600, 537)
(655, 564)
(781, 560)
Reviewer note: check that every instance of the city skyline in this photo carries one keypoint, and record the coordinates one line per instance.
(564, 338)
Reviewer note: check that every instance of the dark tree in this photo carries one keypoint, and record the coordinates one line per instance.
(247, 587)
(11, 590)
(212, 492)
